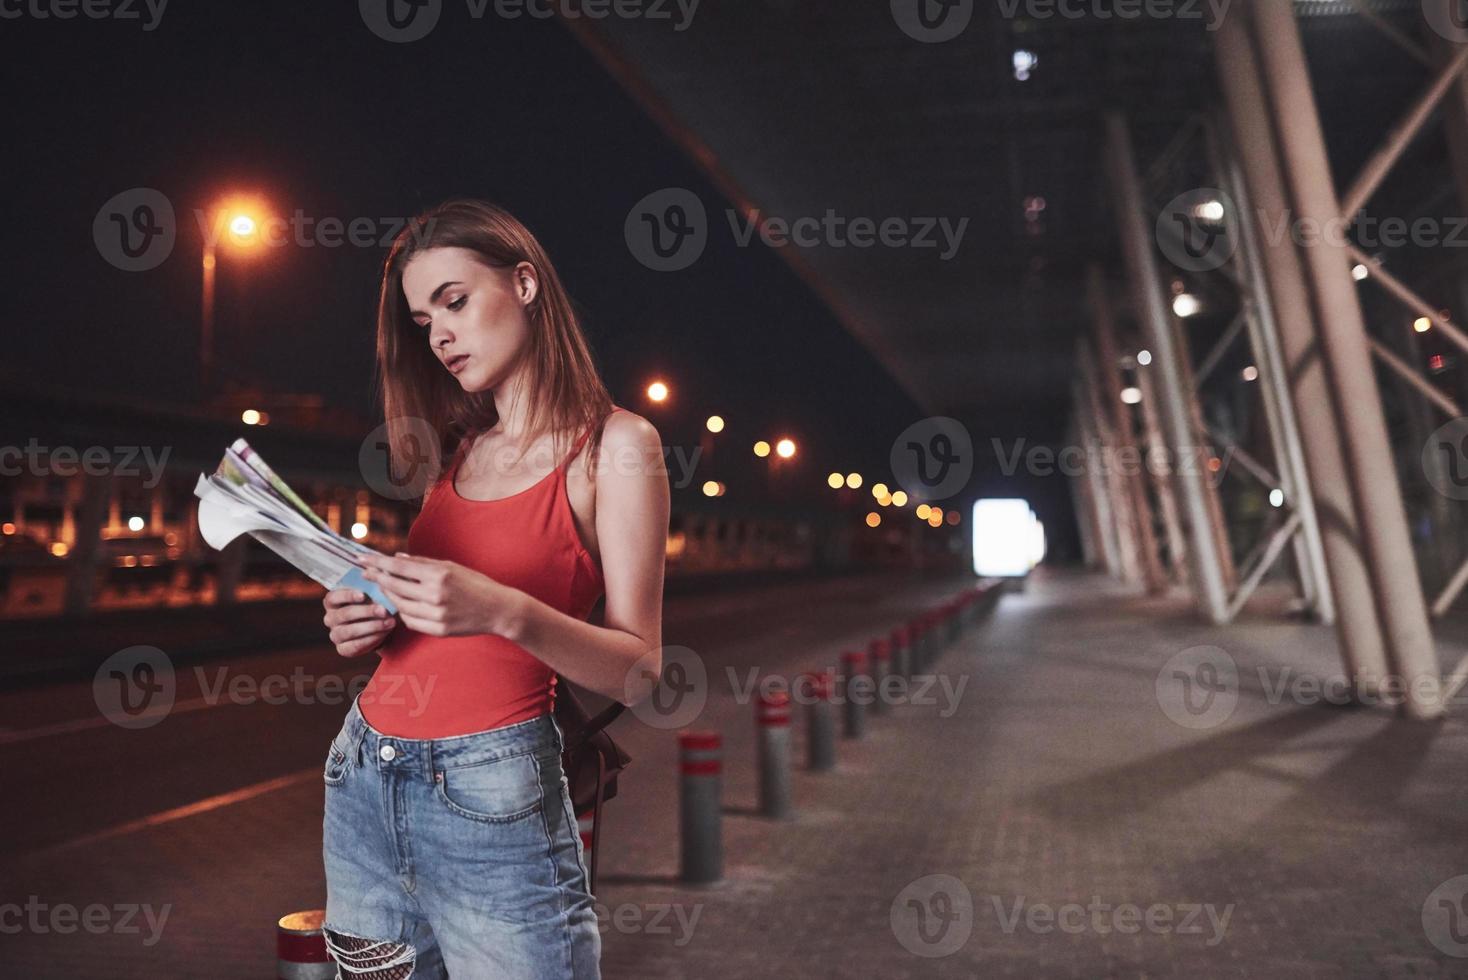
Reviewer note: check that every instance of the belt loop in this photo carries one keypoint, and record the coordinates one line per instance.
(358, 737)
(428, 761)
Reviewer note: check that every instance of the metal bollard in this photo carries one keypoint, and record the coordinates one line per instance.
(820, 717)
(855, 693)
(880, 661)
(700, 807)
(901, 652)
(300, 947)
(772, 712)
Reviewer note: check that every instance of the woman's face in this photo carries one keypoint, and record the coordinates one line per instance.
(473, 315)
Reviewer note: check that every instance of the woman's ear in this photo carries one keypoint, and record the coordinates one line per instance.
(527, 283)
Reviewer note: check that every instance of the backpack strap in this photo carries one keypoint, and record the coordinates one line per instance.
(599, 721)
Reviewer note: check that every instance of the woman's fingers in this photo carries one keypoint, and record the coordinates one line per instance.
(355, 648)
(416, 608)
(353, 631)
(354, 612)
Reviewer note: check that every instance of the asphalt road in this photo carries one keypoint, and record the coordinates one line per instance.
(170, 849)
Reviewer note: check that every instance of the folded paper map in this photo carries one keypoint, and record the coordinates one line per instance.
(244, 496)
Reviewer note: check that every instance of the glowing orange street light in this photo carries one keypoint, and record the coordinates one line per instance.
(715, 423)
(785, 448)
(236, 221)
(762, 449)
(657, 391)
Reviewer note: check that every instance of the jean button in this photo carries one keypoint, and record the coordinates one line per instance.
(388, 753)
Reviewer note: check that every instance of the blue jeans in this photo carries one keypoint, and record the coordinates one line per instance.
(455, 857)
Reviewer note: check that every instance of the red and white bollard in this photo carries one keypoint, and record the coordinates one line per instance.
(820, 741)
(700, 805)
(300, 947)
(772, 712)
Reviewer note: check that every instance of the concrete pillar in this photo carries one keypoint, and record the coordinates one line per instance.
(1368, 453)
(1095, 477)
(1108, 459)
(85, 557)
(1085, 507)
(1174, 397)
(1131, 474)
(1363, 649)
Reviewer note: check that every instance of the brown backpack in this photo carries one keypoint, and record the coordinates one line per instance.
(590, 758)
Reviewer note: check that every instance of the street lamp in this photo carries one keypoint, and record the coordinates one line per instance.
(237, 222)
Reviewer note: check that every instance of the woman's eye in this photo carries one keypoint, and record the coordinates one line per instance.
(458, 304)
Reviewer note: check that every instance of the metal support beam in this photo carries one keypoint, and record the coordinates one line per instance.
(1085, 508)
(1362, 648)
(1401, 137)
(1207, 577)
(1123, 511)
(1270, 555)
(1163, 478)
(1100, 494)
(1123, 425)
(1416, 304)
(1220, 349)
(1397, 37)
(1409, 374)
(1279, 408)
(1390, 562)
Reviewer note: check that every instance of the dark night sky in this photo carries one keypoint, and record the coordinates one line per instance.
(301, 102)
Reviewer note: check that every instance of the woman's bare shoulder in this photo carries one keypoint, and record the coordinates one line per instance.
(627, 429)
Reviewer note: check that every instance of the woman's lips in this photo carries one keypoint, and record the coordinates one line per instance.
(456, 363)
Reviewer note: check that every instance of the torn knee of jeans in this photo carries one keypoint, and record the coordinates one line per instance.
(369, 959)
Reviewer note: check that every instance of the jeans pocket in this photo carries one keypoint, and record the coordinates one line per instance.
(335, 770)
(500, 791)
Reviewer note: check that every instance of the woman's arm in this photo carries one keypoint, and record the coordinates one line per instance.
(621, 660)
(632, 505)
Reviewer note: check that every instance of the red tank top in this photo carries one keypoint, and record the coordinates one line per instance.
(440, 686)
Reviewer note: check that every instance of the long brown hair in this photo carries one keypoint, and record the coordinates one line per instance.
(566, 395)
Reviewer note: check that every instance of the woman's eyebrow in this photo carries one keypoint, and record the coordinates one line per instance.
(433, 298)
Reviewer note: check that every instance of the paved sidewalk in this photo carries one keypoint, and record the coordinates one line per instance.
(1079, 830)
(1089, 834)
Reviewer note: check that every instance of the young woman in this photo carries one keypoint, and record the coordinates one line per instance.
(449, 839)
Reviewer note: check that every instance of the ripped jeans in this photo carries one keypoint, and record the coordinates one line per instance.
(455, 857)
